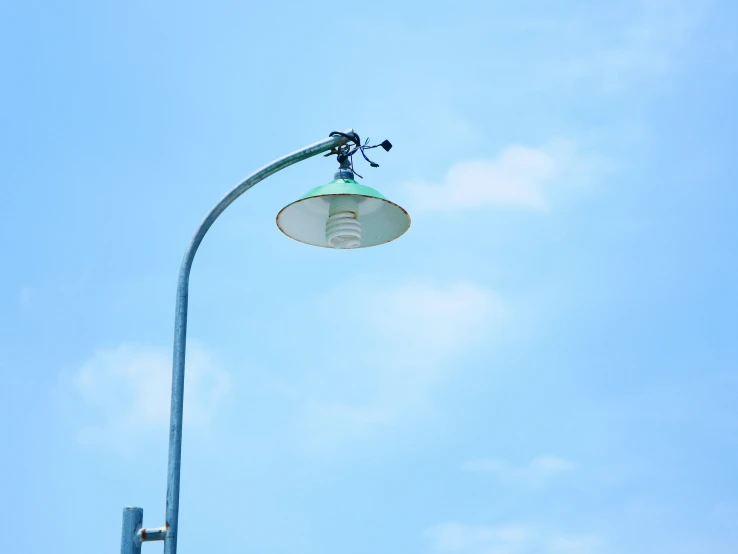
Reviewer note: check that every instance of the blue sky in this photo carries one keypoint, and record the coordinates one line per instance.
(545, 363)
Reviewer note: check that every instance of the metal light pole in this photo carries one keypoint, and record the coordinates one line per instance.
(341, 214)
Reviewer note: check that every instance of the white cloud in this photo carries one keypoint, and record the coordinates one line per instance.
(127, 392)
(507, 539)
(535, 474)
(520, 177)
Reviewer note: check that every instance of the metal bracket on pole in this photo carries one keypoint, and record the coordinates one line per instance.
(151, 535)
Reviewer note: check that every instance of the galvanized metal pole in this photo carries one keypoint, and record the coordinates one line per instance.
(180, 325)
(132, 521)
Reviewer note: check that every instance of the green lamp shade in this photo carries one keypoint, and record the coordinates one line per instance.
(343, 214)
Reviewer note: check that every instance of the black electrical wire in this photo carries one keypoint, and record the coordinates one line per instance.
(348, 152)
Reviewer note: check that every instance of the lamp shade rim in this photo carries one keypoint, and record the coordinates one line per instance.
(373, 195)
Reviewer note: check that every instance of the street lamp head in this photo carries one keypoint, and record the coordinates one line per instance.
(343, 214)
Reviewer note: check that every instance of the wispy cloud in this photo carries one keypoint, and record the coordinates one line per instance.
(644, 47)
(426, 323)
(536, 474)
(573, 544)
(414, 330)
(26, 295)
(126, 392)
(519, 177)
(507, 539)
(459, 537)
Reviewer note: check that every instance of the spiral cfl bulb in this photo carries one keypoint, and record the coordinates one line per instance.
(343, 228)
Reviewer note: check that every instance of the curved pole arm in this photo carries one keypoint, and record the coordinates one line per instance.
(180, 322)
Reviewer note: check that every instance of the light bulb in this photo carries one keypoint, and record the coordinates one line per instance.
(343, 228)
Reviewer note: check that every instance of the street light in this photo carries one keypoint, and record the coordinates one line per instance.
(341, 214)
